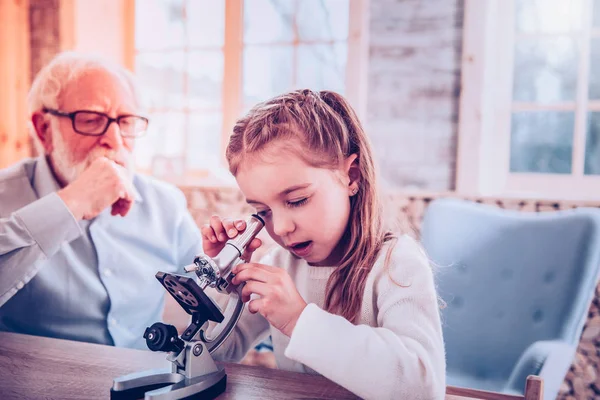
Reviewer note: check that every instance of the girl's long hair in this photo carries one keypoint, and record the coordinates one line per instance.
(328, 126)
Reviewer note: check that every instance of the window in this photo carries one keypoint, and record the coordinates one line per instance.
(530, 108)
(202, 63)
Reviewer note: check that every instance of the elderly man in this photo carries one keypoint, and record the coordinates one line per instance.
(81, 235)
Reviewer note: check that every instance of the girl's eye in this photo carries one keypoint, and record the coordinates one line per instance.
(297, 203)
(263, 213)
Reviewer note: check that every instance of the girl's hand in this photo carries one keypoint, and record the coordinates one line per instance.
(279, 302)
(216, 233)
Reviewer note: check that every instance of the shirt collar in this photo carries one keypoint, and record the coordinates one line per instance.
(45, 183)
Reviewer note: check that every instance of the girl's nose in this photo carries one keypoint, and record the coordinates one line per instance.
(283, 225)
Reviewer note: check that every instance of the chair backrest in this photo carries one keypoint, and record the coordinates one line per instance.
(509, 279)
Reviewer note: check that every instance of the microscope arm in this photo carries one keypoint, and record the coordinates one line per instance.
(221, 332)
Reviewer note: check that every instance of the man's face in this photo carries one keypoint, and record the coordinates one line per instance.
(71, 153)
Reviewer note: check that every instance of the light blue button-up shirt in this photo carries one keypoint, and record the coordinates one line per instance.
(94, 280)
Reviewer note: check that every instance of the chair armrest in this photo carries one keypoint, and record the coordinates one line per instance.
(533, 391)
(460, 393)
(549, 359)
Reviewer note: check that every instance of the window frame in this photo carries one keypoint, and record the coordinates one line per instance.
(483, 155)
(232, 90)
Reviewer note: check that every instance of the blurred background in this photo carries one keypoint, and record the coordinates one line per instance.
(496, 101)
(484, 97)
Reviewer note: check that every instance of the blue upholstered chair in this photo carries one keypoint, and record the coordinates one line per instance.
(517, 285)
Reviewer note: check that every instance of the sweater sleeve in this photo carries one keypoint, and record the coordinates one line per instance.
(403, 357)
(29, 235)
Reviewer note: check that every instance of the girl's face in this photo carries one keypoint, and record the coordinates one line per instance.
(306, 209)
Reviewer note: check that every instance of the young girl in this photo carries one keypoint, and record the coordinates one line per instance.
(341, 295)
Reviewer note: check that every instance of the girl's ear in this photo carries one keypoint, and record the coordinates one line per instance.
(353, 172)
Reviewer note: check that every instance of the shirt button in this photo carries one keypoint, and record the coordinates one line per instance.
(20, 285)
(112, 321)
(107, 272)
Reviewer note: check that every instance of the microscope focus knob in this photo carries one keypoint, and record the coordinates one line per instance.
(163, 337)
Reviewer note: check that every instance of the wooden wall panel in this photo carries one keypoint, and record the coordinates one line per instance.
(413, 90)
(14, 80)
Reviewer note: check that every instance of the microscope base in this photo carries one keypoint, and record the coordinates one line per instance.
(165, 385)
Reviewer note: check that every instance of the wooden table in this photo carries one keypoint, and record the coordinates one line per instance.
(34, 367)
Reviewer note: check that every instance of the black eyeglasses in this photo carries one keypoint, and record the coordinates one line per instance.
(92, 123)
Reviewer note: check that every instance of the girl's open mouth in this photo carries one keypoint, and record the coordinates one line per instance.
(302, 249)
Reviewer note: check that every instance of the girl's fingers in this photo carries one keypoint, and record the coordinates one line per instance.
(255, 305)
(254, 287)
(230, 229)
(240, 224)
(208, 233)
(254, 244)
(254, 274)
(240, 267)
(217, 225)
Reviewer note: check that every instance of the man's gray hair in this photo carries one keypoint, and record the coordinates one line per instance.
(66, 67)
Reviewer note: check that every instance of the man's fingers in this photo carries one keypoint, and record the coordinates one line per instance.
(121, 207)
(116, 208)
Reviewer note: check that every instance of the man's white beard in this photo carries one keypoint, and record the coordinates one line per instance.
(67, 169)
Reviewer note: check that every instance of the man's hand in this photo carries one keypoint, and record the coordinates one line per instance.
(103, 184)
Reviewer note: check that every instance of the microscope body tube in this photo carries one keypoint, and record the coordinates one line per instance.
(235, 247)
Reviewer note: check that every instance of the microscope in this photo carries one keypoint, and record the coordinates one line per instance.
(193, 371)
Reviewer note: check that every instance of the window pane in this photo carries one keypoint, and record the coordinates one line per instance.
(165, 136)
(545, 70)
(204, 141)
(268, 21)
(594, 89)
(144, 149)
(592, 145)
(323, 19)
(205, 79)
(267, 72)
(322, 67)
(159, 24)
(161, 77)
(547, 16)
(542, 141)
(596, 14)
(205, 22)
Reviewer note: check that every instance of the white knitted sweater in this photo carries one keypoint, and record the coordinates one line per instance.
(396, 351)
